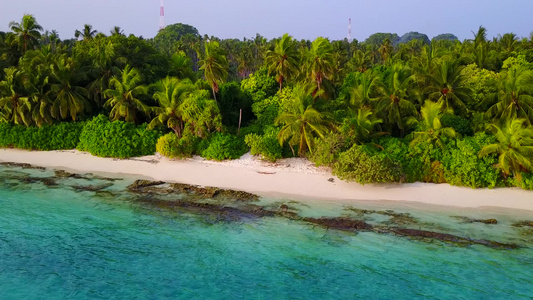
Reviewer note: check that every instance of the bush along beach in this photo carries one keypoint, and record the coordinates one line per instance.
(378, 110)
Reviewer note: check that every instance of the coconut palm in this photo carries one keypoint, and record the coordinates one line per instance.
(320, 63)
(201, 115)
(393, 103)
(123, 93)
(170, 94)
(385, 50)
(431, 127)
(515, 95)
(215, 65)
(28, 32)
(514, 147)
(87, 34)
(361, 128)
(68, 98)
(117, 31)
(446, 85)
(365, 89)
(282, 60)
(14, 107)
(301, 123)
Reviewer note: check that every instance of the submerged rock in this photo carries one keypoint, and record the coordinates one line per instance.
(44, 180)
(65, 174)
(469, 220)
(523, 224)
(340, 223)
(92, 188)
(448, 238)
(21, 165)
(140, 184)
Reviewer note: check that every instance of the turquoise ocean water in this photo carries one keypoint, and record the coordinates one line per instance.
(58, 242)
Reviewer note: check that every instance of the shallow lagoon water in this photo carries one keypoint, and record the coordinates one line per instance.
(57, 242)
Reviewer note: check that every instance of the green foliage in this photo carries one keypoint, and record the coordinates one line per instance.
(411, 162)
(413, 35)
(362, 165)
(232, 100)
(458, 123)
(166, 39)
(48, 137)
(445, 36)
(103, 138)
(171, 146)
(463, 167)
(260, 85)
(266, 145)
(328, 150)
(224, 146)
(378, 38)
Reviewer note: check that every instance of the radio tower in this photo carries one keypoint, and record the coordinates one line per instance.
(162, 15)
(349, 29)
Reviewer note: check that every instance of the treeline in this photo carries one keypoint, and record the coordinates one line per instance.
(389, 109)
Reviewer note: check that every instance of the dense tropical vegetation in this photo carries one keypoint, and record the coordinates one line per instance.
(389, 109)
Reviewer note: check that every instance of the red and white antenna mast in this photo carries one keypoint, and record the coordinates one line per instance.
(162, 15)
(349, 29)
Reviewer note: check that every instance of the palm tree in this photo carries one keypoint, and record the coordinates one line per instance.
(364, 91)
(515, 96)
(123, 95)
(68, 98)
(385, 50)
(283, 60)
(320, 62)
(480, 47)
(431, 127)
(361, 128)
(514, 147)
(446, 85)
(170, 94)
(181, 66)
(301, 123)
(215, 66)
(117, 31)
(87, 34)
(394, 103)
(14, 107)
(201, 115)
(360, 61)
(28, 32)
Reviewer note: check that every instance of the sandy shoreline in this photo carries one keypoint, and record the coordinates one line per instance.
(291, 177)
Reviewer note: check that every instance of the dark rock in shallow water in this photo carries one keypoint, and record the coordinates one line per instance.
(21, 165)
(468, 220)
(65, 174)
(219, 212)
(44, 180)
(91, 188)
(340, 223)
(140, 183)
(448, 238)
(523, 224)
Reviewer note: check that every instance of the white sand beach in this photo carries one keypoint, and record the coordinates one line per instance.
(292, 177)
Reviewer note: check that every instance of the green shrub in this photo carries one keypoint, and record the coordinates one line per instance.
(463, 167)
(103, 138)
(266, 145)
(363, 165)
(61, 136)
(458, 123)
(223, 146)
(327, 150)
(399, 152)
(171, 146)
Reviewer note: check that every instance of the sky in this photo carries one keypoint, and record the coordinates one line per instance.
(303, 19)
